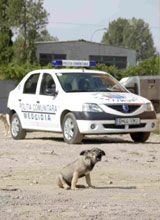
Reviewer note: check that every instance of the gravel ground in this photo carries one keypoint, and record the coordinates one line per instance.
(127, 179)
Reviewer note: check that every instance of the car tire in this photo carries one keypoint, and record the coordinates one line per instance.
(140, 136)
(17, 131)
(70, 129)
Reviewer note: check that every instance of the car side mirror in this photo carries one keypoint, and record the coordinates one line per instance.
(51, 92)
(131, 90)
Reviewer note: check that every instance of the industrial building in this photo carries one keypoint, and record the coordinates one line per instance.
(85, 50)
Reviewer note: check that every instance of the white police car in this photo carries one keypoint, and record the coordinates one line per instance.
(77, 102)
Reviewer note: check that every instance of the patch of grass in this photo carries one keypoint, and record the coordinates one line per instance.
(157, 131)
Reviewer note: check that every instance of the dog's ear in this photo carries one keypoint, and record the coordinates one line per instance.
(103, 153)
(84, 152)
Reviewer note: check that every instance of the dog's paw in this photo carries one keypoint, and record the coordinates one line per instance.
(66, 187)
(93, 187)
(74, 188)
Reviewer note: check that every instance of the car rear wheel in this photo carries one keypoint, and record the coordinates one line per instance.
(17, 131)
(140, 136)
(71, 132)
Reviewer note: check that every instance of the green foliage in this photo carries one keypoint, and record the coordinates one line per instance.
(6, 34)
(26, 19)
(147, 67)
(113, 70)
(44, 35)
(118, 33)
(32, 19)
(134, 34)
(17, 72)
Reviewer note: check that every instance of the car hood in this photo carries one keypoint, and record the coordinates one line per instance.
(106, 98)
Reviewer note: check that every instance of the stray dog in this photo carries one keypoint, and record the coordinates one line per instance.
(68, 177)
(3, 118)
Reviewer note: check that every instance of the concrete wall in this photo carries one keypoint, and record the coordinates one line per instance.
(81, 50)
(5, 87)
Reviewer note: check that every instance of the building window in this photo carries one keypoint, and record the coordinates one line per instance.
(59, 56)
(119, 62)
(45, 58)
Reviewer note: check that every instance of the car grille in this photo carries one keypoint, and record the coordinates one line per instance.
(114, 126)
(119, 107)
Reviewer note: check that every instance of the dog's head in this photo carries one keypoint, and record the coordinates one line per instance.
(95, 154)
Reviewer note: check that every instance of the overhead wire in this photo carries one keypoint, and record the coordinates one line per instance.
(70, 23)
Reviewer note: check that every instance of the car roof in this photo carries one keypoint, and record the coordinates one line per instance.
(65, 70)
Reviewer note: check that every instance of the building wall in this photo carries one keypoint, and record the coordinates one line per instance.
(82, 50)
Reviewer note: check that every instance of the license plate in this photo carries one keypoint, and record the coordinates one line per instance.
(127, 121)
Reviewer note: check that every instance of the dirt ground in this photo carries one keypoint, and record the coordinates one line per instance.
(127, 179)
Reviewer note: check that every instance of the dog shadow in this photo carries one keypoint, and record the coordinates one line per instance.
(116, 187)
(108, 187)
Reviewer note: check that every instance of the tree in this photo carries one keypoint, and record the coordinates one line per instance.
(32, 19)
(19, 45)
(44, 35)
(118, 33)
(6, 34)
(25, 19)
(134, 34)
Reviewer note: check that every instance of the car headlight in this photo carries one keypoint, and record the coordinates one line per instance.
(91, 107)
(149, 107)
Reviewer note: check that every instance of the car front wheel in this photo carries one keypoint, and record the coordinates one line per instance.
(140, 136)
(17, 131)
(71, 132)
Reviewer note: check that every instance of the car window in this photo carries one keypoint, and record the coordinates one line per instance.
(31, 84)
(89, 82)
(47, 85)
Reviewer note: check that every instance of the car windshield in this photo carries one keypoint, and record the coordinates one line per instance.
(89, 82)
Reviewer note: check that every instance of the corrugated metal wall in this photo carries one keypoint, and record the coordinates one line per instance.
(5, 87)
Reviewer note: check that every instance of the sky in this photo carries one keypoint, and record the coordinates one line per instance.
(89, 19)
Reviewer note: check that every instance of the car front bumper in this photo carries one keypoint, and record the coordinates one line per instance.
(105, 123)
(109, 127)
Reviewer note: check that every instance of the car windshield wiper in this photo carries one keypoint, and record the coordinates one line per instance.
(103, 90)
(99, 90)
(109, 90)
(77, 90)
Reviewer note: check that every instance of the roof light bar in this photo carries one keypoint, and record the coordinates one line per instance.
(81, 63)
(92, 63)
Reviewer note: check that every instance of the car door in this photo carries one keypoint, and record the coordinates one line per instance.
(28, 101)
(47, 104)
